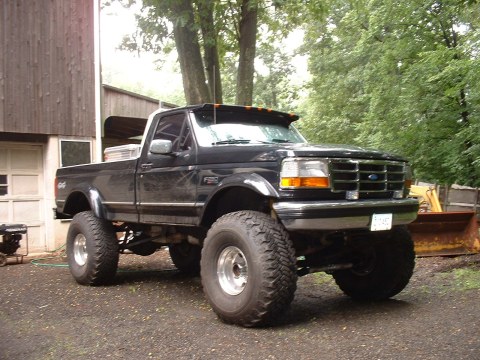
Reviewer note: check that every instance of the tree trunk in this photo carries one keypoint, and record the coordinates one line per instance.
(247, 46)
(188, 48)
(212, 64)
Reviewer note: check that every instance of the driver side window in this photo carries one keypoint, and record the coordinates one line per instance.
(174, 128)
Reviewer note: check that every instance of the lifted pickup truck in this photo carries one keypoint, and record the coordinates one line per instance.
(240, 197)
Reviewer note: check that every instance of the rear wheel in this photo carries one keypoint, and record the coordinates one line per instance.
(248, 268)
(382, 266)
(92, 249)
(143, 248)
(186, 257)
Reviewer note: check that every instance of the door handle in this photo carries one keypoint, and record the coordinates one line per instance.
(146, 166)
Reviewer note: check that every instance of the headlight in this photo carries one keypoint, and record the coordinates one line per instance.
(304, 173)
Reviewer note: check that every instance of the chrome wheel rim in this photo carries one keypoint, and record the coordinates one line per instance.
(80, 249)
(232, 270)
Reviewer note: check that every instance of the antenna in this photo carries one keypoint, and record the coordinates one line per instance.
(214, 98)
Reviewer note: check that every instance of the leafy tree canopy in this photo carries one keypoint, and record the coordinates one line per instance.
(402, 76)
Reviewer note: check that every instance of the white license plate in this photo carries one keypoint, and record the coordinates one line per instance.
(381, 222)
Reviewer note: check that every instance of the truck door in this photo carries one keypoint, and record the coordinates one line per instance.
(166, 185)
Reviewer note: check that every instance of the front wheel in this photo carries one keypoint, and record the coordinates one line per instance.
(248, 268)
(382, 266)
(92, 249)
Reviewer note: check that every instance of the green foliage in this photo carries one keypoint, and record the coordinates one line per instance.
(273, 89)
(401, 76)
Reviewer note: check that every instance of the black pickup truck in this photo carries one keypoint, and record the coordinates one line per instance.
(240, 197)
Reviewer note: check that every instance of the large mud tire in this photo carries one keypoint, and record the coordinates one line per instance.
(382, 268)
(186, 257)
(92, 249)
(248, 268)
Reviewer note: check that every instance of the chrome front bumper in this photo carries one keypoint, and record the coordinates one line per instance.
(344, 214)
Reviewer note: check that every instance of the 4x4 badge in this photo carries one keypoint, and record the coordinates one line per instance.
(210, 180)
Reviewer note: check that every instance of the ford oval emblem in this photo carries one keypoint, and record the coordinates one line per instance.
(373, 177)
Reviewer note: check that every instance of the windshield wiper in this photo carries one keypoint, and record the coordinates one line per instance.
(281, 141)
(231, 141)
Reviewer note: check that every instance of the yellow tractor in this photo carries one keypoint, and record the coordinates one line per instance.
(439, 233)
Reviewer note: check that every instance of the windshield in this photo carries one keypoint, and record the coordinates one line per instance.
(236, 131)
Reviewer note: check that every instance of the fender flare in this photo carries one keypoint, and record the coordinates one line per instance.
(93, 197)
(251, 181)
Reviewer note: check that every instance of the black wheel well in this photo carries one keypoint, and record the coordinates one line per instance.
(234, 199)
(76, 202)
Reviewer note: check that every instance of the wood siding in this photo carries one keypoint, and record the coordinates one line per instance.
(118, 102)
(47, 67)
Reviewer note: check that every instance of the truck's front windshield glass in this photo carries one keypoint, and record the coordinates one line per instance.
(235, 131)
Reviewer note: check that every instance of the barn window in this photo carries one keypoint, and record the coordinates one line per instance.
(75, 152)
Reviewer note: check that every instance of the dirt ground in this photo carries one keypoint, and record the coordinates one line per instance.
(154, 312)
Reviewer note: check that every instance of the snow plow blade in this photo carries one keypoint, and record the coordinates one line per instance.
(445, 234)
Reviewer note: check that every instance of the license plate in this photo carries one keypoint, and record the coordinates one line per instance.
(381, 222)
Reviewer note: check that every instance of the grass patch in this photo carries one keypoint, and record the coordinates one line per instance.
(467, 278)
(322, 278)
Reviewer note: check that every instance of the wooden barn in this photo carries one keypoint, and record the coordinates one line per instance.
(48, 108)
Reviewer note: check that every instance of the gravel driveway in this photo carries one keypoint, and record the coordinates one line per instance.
(154, 312)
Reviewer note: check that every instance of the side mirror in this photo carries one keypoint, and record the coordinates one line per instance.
(161, 147)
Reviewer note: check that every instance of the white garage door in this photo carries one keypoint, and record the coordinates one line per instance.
(21, 190)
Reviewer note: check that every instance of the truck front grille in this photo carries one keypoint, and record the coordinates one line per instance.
(366, 175)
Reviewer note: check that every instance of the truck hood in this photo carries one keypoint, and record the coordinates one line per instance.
(337, 151)
(274, 152)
